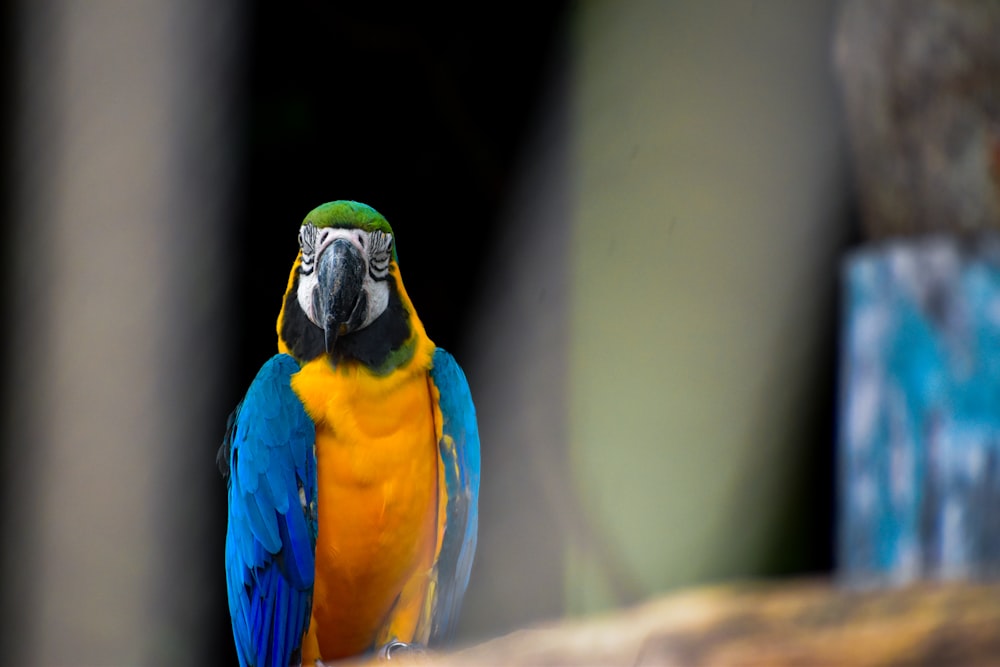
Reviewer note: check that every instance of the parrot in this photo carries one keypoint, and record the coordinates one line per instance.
(352, 464)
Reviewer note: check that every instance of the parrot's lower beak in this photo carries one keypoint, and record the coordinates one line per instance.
(340, 272)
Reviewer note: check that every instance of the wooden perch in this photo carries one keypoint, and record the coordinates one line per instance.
(796, 623)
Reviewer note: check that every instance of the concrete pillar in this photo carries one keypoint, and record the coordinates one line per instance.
(123, 170)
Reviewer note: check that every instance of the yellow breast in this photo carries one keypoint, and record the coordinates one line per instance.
(377, 479)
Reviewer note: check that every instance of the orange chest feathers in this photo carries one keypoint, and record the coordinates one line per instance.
(378, 475)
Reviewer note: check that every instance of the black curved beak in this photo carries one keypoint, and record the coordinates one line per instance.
(340, 271)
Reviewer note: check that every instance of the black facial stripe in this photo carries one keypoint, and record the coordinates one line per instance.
(381, 244)
(307, 241)
(378, 267)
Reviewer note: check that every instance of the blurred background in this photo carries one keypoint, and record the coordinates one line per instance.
(624, 218)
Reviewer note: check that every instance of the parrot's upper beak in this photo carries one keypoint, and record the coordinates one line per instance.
(340, 272)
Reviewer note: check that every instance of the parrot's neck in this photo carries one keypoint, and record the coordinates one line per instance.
(389, 342)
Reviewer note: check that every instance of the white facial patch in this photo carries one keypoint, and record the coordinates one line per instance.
(376, 250)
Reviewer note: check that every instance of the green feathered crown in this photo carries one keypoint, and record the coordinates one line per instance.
(347, 214)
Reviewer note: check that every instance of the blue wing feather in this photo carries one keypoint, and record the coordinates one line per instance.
(271, 537)
(459, 449)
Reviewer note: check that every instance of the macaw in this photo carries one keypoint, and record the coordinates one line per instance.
(352, 464)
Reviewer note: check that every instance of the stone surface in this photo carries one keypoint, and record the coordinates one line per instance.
(923, 109)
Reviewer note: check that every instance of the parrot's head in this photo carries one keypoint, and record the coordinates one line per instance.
(345, 282)
(343, 276)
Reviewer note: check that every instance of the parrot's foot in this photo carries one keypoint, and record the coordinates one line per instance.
(395, 649)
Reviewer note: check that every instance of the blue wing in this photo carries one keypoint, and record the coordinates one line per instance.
(459, 449)
(271, 539)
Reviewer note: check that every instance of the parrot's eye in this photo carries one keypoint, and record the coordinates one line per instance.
(380, 252)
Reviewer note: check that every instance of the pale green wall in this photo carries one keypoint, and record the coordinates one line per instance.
(707, 206)
(655, 341)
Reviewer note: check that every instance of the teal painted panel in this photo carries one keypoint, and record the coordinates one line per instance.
(919, 443)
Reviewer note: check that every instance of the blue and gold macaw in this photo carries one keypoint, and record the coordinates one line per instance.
(352, 462)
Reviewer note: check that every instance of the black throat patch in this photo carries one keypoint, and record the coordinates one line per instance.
(371, 346)
(304, 339)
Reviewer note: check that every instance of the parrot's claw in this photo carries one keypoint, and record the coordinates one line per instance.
(396, 649)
